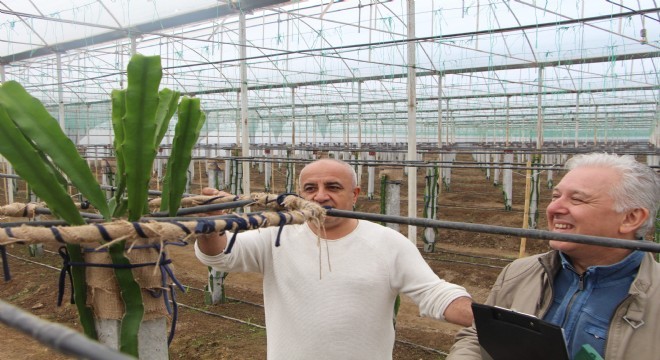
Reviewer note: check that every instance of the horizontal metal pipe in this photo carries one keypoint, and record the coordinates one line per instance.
(501, 230)
(204, 208)
(56, 336)
(86, 215)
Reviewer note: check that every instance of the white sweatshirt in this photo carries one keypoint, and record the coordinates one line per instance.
(334, 299)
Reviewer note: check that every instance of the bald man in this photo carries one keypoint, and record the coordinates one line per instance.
(329, 290)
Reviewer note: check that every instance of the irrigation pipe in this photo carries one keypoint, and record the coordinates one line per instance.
(86, 215)
(36, 262)
(56, 336)
(204, 208)
(440, 352)
(221, 316)
(500, 230)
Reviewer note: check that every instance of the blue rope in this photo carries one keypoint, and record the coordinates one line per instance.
(103, 232)
(5, 264)
(56, 234)
(183, 228)
(280, 198)
(231, 243)
(279, 231)
(66, 269)
(235, 224)
(204, 226)
(138, 230)
(175, 316)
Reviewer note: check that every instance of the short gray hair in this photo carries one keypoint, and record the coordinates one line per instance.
(639, 186)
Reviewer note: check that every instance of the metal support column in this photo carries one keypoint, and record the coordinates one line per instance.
(577, 122)
(245, 144)
(293, 117)
(60, 92)
(359, 139)
(412, 122)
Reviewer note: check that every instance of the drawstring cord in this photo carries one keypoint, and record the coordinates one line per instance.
(327, 252)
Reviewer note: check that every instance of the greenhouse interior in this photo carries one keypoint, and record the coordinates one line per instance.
(456, 116)
(318, 71)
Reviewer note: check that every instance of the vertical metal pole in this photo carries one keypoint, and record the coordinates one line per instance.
(448, 123)
(293, 118)
(268, 171)
(344, 127)
(506, 140)
(288, 39)
(60, 92)
(440, 111)
(359, 139)
(539, 120)
(582, 45)
(607, 123)
(596, 126)
(359, 119)
(441, 156)
(507, 173)
(393, 122)
(238, 118)
(121, 68)
(412, 122)
(526, 209)
(476, 45)
(371, 172)
(133, 46)
(577, 123)
(244, 105)
(314, 130)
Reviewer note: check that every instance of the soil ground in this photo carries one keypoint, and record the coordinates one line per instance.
(472, 260)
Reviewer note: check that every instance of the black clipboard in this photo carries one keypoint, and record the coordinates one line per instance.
(506, 334)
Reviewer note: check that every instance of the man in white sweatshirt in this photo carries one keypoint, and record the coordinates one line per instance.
(329, 291)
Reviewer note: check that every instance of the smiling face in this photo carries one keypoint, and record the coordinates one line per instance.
(330, 183)
(582, 204)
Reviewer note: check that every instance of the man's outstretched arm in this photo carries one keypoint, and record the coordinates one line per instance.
(459, 311)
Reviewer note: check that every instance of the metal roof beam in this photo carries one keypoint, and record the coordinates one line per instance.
(146, 28)
(545, 64)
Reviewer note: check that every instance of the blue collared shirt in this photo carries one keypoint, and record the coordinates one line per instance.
(583, 304)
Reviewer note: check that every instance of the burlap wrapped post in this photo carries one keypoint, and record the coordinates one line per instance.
(103, 292)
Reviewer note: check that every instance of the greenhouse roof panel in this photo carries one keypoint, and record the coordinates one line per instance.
(319, 56)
